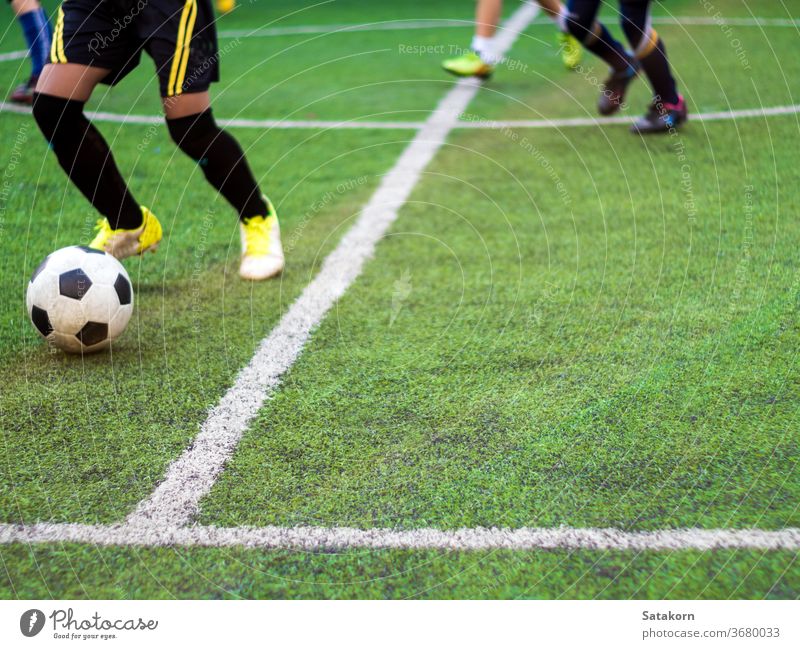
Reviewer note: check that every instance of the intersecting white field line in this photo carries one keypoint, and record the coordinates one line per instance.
(165, 517)
(559, 123)
(392, 25)
(346, 538)
(568, 122)
(395, 25)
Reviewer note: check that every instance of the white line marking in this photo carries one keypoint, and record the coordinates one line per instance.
(101, 116)
(292, 30)
(13, 56)
(190, 477)
(723, 21)
(563, 122)
(599, 121)
(346, 538)
(390, 25)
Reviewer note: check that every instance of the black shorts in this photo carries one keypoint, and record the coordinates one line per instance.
(179, 35)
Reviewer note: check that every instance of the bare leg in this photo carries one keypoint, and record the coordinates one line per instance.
(184, 105)
(20, 7)
(70, 80)
(487, 17)
(551, 7)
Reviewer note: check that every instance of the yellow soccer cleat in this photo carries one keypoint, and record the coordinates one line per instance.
(571, 52)
(468, 65)
(126, 243)
(226, 6)
(262, 252)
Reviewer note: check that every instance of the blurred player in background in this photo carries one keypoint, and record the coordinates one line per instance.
(579, 20)
(668, 108)
(482, 58)
(37, 32)
(89, 48)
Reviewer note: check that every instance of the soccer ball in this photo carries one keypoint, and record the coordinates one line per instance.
(80, 299)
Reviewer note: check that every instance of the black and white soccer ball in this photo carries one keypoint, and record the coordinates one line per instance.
(80, 299)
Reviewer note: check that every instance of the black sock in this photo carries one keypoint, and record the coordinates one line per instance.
(84, 155)
(648, 48)
(222, 160)
(656, 67)
(609, 49)
(580, 20)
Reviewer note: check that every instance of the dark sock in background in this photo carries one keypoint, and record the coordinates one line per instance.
(656, 67)
(609, 49)
(38, 34)
(637, 28)
(580, 20)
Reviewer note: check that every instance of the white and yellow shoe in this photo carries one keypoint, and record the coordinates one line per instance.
(262, 252)
(126, 243)
(571, 50)
(468, 65)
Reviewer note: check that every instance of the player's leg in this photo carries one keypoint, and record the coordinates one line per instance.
(567, 43)
(668, 109)
(81, 150)
(481, 58)
(78, 62)
(36, 30)
(580, 20)
(187, 64)
(83, 153)
(191, 125)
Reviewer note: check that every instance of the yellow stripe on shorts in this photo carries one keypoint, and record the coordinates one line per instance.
(57, 47)
(181, 57)
(187, 48)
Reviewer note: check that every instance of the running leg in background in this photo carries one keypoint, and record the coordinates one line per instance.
(580, 20)
(668, 109)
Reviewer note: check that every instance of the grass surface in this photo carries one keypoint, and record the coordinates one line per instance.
(564, 327)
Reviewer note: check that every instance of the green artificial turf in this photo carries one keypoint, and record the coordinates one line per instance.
(80, 571)
(566, 326)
